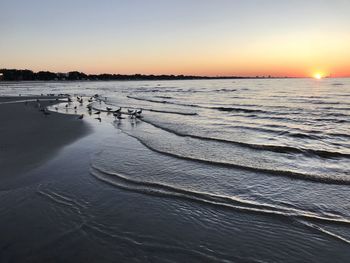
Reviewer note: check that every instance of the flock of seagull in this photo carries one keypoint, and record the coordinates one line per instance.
(118, 114)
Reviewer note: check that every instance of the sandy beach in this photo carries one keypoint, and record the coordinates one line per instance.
(28, 137)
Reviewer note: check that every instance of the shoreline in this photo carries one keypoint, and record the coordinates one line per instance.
(28, 138)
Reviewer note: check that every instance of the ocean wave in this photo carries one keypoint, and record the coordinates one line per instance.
(144, 109)
(226, 202)
(177, 90)
(337, 108)
(256, 112)
(167, 90)
(343, 135)
(236, 109)
(299, 135)
(174, 112)
(326, 232)
(224, 90)
(164, 97)
(228, 109)
(331, 120)
(263, 147)
(340, 180)
(165, 102)
(337, 114)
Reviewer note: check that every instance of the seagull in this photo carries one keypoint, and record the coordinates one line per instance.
(138, 113)
(118, 110)
(99, 119)
(97, 112)
(81, 117)
(133, 115)
(116, 114)
(108, 108)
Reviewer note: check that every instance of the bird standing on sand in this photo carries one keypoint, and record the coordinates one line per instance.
(118, 115)
(118, 110)
(99, 119)
(97, 112)
(89, 110)
(108, 109)
(133, 115)
(138, 113)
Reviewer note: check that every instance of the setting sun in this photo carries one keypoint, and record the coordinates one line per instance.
(318, 76)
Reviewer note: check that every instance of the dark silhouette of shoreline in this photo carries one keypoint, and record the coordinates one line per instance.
(29, 75)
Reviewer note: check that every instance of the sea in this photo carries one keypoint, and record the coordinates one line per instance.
(233, 170)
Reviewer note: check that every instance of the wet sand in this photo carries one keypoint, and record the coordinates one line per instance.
(28, 138)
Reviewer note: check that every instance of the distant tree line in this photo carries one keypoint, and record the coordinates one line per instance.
(28, 75)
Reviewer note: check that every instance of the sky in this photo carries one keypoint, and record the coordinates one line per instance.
(192, 37)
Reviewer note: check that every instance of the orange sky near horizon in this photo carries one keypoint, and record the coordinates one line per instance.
(292, 56)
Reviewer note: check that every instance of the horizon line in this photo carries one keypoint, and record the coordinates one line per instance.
(262, 76)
